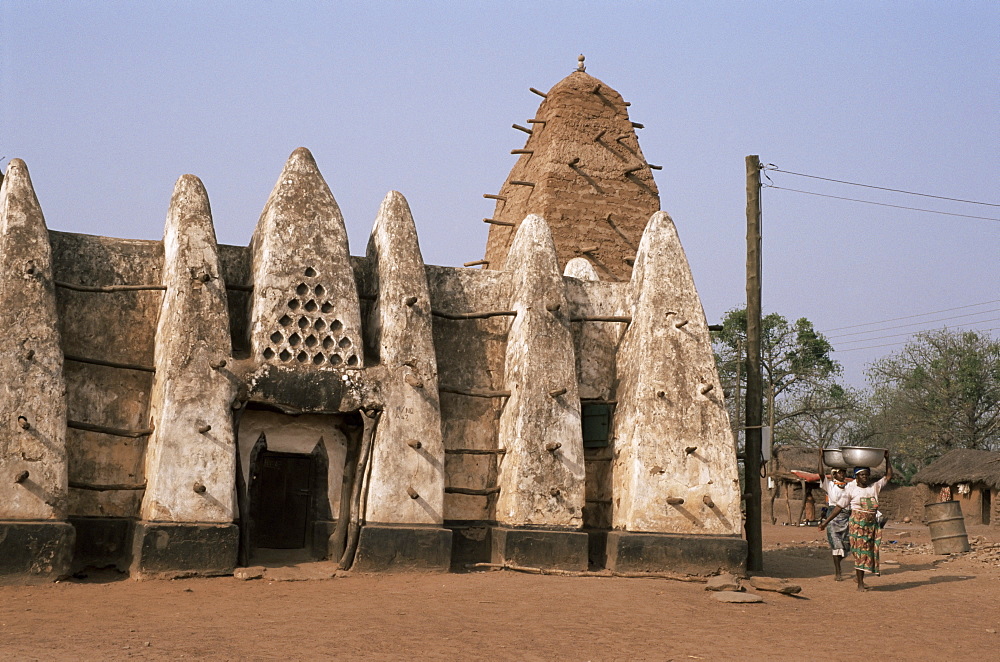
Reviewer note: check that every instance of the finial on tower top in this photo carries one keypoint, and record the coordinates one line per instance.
(581, 66)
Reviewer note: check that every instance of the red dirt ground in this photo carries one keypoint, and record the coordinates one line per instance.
(922, 607)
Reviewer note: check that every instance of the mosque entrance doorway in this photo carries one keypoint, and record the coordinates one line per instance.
(281, 496)
(290, 483)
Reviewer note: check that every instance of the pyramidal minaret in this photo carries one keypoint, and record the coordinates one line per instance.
(581, 170)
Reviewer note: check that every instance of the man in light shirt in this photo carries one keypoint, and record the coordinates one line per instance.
(837, 531)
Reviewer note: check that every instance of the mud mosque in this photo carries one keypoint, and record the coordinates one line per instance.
(177, 407)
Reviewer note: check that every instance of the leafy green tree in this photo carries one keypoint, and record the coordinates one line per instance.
(941, 391)
(799, 377)
(822, 416)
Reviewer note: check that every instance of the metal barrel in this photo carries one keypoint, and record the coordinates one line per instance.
(947, 525)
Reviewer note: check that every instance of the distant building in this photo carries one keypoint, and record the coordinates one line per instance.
(971, 477)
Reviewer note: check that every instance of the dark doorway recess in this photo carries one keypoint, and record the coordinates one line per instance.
(987, 505)
(283, 482)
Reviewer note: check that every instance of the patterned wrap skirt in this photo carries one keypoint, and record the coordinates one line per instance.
(866, 538)
(837, 533)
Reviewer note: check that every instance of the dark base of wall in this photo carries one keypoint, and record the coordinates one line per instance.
(102, 542)
(540, 548)
(167, 549)
(672, 552)
(385, 547)
(597, 548)
(470, 543)
(35, 552)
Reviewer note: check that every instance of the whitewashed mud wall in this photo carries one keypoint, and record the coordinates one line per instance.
(675, 466)
(33, 477)
(191, 456)
(407, 477)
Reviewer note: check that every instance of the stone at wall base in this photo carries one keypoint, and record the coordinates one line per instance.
(674, 552)
(170, 549)
(540, 548)
(102, 542)
(407, 548)
(35, 552)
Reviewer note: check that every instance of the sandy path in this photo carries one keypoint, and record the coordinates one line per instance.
(923, 608)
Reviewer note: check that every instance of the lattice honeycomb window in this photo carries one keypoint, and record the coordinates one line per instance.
(308, 333)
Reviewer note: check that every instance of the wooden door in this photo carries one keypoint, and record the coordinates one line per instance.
(284, 500)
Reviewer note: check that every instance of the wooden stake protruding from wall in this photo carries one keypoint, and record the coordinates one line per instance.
(538, 92)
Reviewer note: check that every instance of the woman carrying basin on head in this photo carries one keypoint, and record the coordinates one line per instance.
(861, 497)
(837, 534)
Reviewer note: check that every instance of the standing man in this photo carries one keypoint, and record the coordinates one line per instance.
(836, 532)
(861, 497)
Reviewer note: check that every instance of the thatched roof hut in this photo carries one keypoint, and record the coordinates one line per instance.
(962, 466)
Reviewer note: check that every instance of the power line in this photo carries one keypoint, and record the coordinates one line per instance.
(910, 333)
(882, 204)
(771, 166)
(906, 317)
(904, 342)
(902, 326)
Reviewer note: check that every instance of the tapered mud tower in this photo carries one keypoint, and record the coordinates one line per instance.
(582, 170)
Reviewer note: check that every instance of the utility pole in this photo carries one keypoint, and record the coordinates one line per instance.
(754, 396)
(739, 384)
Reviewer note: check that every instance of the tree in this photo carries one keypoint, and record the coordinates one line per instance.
(823, 416)
(941, 391)
(799, 376)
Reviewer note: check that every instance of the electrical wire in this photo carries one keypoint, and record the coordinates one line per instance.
(907, 317)
(903, 326)
(771, 166)
(904, 342)
(910, 333)
(882, 204)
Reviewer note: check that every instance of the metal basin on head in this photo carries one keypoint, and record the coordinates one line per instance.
(862, 456)
(834, 458)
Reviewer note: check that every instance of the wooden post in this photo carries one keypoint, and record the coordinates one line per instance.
(754, 399)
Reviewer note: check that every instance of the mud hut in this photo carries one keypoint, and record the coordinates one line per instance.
(971, 477)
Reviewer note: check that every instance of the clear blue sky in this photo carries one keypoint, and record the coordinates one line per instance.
(109, 102)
